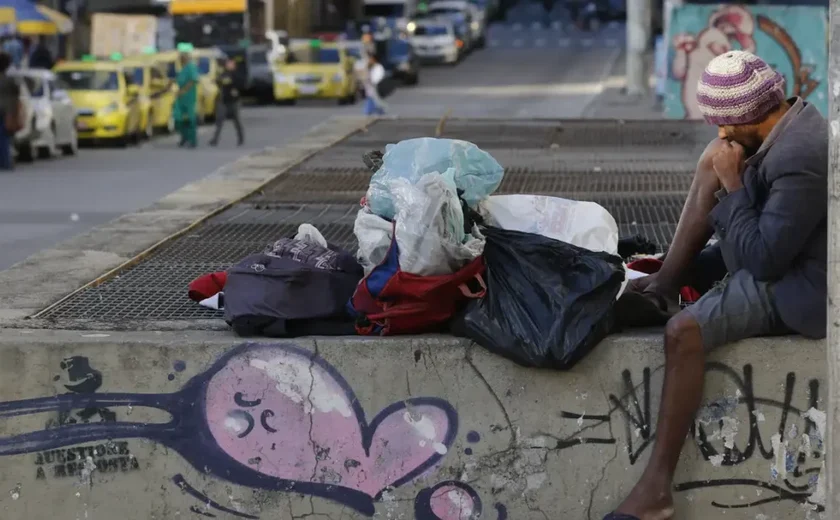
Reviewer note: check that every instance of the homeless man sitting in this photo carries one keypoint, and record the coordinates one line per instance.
(761, 186)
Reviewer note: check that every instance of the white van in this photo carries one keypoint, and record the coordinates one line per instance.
(435, 40)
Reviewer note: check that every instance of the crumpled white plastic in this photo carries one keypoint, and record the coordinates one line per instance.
(430, 226)
(309, 233)
(374, 236)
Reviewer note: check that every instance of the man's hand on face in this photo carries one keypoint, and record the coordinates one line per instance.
(729, 165)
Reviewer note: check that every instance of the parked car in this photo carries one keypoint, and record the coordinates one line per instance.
(473, 17)
(315, 71)
(161, 89)
(209, 66)
(51, 125)
(107, 105)
(435, 41)
(139, 73)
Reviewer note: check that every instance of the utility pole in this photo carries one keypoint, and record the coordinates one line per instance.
(639, 14)
(832, 441)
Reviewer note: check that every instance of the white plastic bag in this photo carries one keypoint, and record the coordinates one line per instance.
(374, 236)
(430, 226)
(580, 223)
(471, 169)
(583, 224)
(309, 233)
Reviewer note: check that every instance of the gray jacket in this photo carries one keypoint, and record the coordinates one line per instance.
(775, 227)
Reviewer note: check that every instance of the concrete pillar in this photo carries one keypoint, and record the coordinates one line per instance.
(832, 440)
(639, 14)
(269, 15)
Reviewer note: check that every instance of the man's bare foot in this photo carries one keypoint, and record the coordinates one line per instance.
(649, 501)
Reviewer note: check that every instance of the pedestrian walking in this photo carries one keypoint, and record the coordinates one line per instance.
(41, 57)
(374, 105)
(185, 110)
(11, 112)
(228, 104)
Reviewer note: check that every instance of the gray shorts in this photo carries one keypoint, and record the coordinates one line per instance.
(736, 308)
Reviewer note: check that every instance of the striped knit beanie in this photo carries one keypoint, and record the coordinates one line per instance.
(739, 88)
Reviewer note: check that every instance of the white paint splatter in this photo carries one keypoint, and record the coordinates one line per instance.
(716, 460)
(235, 425)
(300, 383)
(87, 471)
(638, 432)
(536, 480)
(728, 430)
(426, 429)
(96, 335)
(805, 445)
(759, 417)
(818, 418)
(761, 516)
(580, 419)
(463, 502)
(818, 496)
(835, 126)
(794, 431)
(15, 493)
(779, 469)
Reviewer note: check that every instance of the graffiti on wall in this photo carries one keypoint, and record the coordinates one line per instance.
(280, 418)
(792, 39)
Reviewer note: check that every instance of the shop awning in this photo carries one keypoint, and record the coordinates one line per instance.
(61, 20)
(177, 7)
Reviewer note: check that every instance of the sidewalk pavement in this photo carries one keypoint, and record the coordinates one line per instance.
(613, 103)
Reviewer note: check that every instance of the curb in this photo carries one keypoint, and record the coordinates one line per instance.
(53, 275)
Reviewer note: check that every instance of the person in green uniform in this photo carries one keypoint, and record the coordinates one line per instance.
(185, 110)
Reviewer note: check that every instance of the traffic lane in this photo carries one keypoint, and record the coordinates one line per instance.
(508, 83)
(49, 201)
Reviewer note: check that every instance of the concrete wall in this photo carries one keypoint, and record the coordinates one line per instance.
(151, 425)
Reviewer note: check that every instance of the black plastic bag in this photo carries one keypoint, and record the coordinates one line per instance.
(548, 303)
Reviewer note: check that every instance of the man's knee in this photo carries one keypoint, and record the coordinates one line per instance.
(682, 335)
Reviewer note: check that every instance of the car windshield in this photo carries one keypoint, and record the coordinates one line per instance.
(431, 30)
(171, 70)
(444, 10)
(354, 52)
(312, 55)
(203, 63)
(89, 79)
(137, 75)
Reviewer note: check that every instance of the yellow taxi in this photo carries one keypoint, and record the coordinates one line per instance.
(160, 90)
(107, 104)
(207, 61)
(316, 70)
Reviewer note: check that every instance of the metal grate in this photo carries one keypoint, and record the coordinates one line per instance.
(639, 171)
(543, 134)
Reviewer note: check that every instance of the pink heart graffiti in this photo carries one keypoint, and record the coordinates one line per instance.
(290, 415)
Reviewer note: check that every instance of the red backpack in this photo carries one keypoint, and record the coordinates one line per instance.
(390, 301)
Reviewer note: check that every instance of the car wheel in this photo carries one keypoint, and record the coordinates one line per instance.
(482, 42)
(71, 148)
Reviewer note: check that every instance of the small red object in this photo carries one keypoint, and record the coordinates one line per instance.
(207, 285)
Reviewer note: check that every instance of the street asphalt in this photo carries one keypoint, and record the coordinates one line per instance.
(517, 76)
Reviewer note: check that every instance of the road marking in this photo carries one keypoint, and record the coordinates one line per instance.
(540, 42)
(587, 42)
(518, 42)
(564, 42)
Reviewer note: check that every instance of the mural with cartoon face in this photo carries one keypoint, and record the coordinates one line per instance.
(792, 39)
(273, 417)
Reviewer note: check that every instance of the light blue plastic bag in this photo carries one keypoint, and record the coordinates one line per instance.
(473, 170)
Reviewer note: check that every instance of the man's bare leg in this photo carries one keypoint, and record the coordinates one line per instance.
(693, 230)
(682, 392)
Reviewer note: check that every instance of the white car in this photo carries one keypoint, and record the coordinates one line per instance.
(476, 15)
(51, 116)
(435, 40)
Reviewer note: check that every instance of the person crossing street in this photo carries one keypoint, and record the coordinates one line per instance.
(228, 104)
